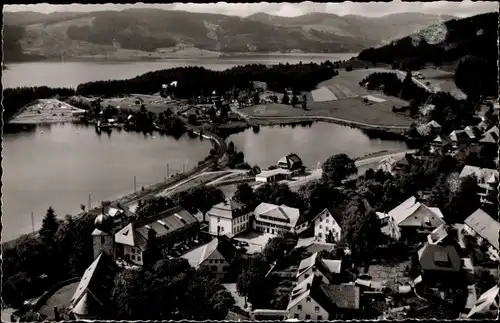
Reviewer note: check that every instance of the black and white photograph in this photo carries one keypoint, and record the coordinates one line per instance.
(308, 161)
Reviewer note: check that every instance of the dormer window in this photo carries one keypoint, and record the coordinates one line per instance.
(308, 299)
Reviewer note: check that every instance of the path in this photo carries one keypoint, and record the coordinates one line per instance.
(417, 82)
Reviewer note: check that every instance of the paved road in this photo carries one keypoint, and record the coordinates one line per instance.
(363, 165)
(417, 82)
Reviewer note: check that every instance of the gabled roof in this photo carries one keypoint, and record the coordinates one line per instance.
(433, 124)
(406, 160)
(329, 297)
(438, 235)
(487, 302)
(289, 216)
(220, 246)
(472, 131)
(491, 138)
(291, 160)
(493, 130)
(93, 288)
(388, 160)
(457, 135)
(329, 212)
(434, 256)
(135, 234)
(411, 213)
(483, 175)
(485, 226)
(442, 138)
(228, 209)
(327, 267)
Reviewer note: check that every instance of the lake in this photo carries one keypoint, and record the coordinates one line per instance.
(60, 165)
(314, 143)
(70, 74)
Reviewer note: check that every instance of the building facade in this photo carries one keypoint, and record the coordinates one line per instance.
(228, 218)
(326, 227)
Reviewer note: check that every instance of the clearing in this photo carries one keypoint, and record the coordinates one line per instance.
(47, 111)
(349, 106)
(153, 103)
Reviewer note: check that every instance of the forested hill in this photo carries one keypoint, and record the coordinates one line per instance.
(451, 43)
(75, 34)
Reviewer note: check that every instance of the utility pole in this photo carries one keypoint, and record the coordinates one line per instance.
(90, 202)
(32, 222)
(168, 171)
(135, 184)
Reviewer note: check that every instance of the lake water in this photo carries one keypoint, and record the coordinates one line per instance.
(63, 165)
(70, 74)
(313, 143)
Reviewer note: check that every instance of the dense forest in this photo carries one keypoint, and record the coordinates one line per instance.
(201, 81)
(472, 41)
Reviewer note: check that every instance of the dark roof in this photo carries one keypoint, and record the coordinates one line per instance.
(430, 254)
(222, 245)
(407, 160)
(232, 316)
(340, 296)
(97, 279)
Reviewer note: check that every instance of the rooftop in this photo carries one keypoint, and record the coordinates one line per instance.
(218, 246)
(281, 214)
(485, 226)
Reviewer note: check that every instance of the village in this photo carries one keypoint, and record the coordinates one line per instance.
(441, 264)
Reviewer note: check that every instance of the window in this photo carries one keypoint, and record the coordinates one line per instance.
(316, 309)
(139, 258)
(102, 239)
(221, 229)
(296, 316)
(299, 307)
(320, 226)
(319, 235)
(218, 220)
(308, 317)
(306, 275)
(308, 300)
(133, 257)
(213, 268)
(320, 317)
(326, 220)
(314, 269)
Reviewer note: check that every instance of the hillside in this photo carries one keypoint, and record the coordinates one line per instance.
(147, 32)
(446, 44)
(373, 30)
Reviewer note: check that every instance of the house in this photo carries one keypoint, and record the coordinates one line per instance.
(473, 132)
(171, 227)
(107, 223)
(487, 180)
(326, 226)
(274, 219)
(490, 137)
(314, 300)
(216, 256)
(410, 218)
(439, 258)
(275, 175)
(387, 164)
(487, 305)
(314, 247)
(486, 229)
(228, 218)
(93, 291)
(292, 162)
(393, 165)
(459, 137)
(433, 127)
(440, 143)
(327, 269)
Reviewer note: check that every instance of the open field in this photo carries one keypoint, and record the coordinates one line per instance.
(440, 81)
(349, 106)
(154, 103)
(46, 111)
(61, 299)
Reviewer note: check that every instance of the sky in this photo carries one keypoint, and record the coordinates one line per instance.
(372, 9)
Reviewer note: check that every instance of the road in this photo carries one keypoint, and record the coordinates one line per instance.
(417, 82)
(362, 164)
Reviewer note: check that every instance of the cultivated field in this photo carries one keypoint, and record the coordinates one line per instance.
(349, 106)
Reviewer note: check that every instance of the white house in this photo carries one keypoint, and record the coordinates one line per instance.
(486, 229)
(228, 218)
(324, 225)
(387, 164)
(275, 175)
(314, 300)
(274, 219)
(410, 215)
(326, 269)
